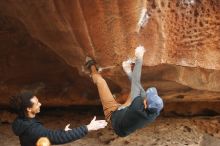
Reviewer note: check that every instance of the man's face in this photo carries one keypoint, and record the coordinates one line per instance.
(35, 107)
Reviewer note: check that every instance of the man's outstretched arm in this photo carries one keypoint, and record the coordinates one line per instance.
(62, 136)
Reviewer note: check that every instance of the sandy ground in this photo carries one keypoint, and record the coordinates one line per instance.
(165, 131)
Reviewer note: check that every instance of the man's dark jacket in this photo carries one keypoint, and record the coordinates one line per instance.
(133, 117)
(30, 130)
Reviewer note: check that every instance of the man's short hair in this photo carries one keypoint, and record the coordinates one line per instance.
(21, 102)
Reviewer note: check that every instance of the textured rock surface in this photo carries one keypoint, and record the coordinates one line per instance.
(44, 44)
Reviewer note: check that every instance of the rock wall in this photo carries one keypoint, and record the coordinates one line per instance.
(44, 44)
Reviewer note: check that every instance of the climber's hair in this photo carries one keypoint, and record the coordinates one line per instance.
(19, 103)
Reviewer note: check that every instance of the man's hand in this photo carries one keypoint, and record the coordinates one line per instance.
(67, 127)
(145, 104)
(96, 124)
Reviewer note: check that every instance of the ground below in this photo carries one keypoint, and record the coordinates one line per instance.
(165, 131)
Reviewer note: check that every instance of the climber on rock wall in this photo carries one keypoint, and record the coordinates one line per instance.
(140, 109)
